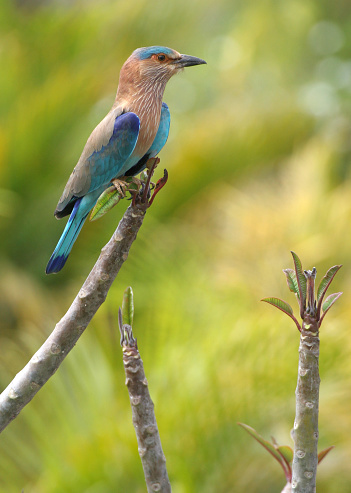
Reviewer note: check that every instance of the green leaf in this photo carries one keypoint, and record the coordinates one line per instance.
(280, 304)
(284, 307)
(325, 282)
(292, 281)
(324, 453)
(327, 279)
(271, 448)
(301, 280)
(108, 199)
(330, 301)
(128, 307)
(286, 452)
(267, 445)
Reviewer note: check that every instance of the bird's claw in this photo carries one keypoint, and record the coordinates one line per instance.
(140, 188)
(121, 186)
(129, 184)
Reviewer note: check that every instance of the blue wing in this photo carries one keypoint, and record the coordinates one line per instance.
(101, 166)
(158, 143)
(100, 162)
(105, 164)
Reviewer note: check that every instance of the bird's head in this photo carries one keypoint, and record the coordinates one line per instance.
(156, 64)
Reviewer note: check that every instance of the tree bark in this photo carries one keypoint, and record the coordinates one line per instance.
(93, 293)
(305, 431)
(144, 420)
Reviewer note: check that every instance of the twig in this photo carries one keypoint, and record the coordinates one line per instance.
(305, 431)
(313, 309)
(144, 420)
(93, 293)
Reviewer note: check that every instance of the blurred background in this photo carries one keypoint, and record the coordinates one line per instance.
(259, 164)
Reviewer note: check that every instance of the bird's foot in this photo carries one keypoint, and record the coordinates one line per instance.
(141, 196)
(121, 186)
(113, 194)
(139, 190)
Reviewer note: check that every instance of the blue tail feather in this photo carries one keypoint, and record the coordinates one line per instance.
(68, 237)
(80, 212)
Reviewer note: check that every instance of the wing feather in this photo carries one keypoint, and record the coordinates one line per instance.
(108, 147)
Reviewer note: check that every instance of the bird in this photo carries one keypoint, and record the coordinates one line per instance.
(135, 130)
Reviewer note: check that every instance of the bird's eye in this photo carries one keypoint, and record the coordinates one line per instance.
(161, 58)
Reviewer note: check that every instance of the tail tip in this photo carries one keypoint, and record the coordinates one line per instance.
(55, 264)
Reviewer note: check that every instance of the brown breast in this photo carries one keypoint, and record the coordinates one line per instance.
(148, 110)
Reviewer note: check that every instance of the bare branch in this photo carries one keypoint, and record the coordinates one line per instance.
(305, 431)
(144, 420)
(93, 293)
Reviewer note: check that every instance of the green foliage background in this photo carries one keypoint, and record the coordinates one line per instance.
(259, 164)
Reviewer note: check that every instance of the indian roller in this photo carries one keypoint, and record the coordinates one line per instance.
(135, 130)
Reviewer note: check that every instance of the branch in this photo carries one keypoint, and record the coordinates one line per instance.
(93, 293)
(305, 431)
(144, 420)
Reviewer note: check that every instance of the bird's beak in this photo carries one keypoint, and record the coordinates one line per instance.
(188, 61)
